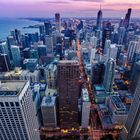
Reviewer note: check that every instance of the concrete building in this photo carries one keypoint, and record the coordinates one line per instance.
(85, 109)
(117, 109)
(17, 112)
(48, 109)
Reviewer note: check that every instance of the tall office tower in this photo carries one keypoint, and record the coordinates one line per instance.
(4, 63)
(4, 48)
(106, 35)
(48, 27)
(68, 77)
(109, 75)
(92, 55)
(25, 41)
(49, 44)
(57, 21)
(85, 109)
(17, 36)
(11, 40)
(107, 46)
(98, 35)
(132, 126)
(121, 34)
(127, 18)
(135, 76)
(93, 42)
(48, 109)
(112, 52)
(97, 75)
(41, 30)
(133, 45)
(16, 55)
(99, 19)
(17, 112)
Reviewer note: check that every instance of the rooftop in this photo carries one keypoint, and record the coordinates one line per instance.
(11, 88)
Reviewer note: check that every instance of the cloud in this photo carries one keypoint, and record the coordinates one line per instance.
(57, 2)
(97, 1)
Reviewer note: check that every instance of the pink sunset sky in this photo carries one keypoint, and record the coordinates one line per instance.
(67, 8)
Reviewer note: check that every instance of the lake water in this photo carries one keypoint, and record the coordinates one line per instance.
(8, 24)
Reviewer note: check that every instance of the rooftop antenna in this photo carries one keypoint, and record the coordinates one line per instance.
(100, 6)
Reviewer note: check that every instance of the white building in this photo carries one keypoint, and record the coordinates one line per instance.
(17, 112)
(85, 109)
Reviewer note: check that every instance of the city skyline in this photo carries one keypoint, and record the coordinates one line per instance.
(67, 8)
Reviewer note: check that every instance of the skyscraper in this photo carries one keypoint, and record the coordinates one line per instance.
(68, 77)
(109, 75)
(4, 63)
(127, 18)
(135, 76)
(132, 126)
(48, 27)
(99, 19)
(16, 55)
(17, 112)
(57, 21)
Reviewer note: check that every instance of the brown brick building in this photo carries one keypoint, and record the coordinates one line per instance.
(68, 77)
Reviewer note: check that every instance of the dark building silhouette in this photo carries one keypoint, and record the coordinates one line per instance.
(98, 73)
(68, 76)
(47, 28)
(99, 19)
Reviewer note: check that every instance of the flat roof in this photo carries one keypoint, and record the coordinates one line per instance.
(99, 87)
(11, 88)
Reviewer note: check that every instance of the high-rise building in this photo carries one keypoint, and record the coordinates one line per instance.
(112, 51)
(51, 73)
(48, 27)
(135, 76)
(17, 112)
(132, 126)
(97, 75)
(121, 35)
(16, 55)
(68, 85)
(57, 21)
(85, 109)
(109, 75)
(127, 18)
(106, 35)
(133, 45)
(99, 19)
(93, 42)
(4, 63)
(107, 46)
(48, 109)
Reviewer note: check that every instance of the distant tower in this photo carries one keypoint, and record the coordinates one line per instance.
(109, 75)
(132, 126)
(57, 21)
(68, 76)
(48, 27)
(127, 18)
(99, 19)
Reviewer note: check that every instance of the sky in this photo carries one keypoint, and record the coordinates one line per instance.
(67, 8)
